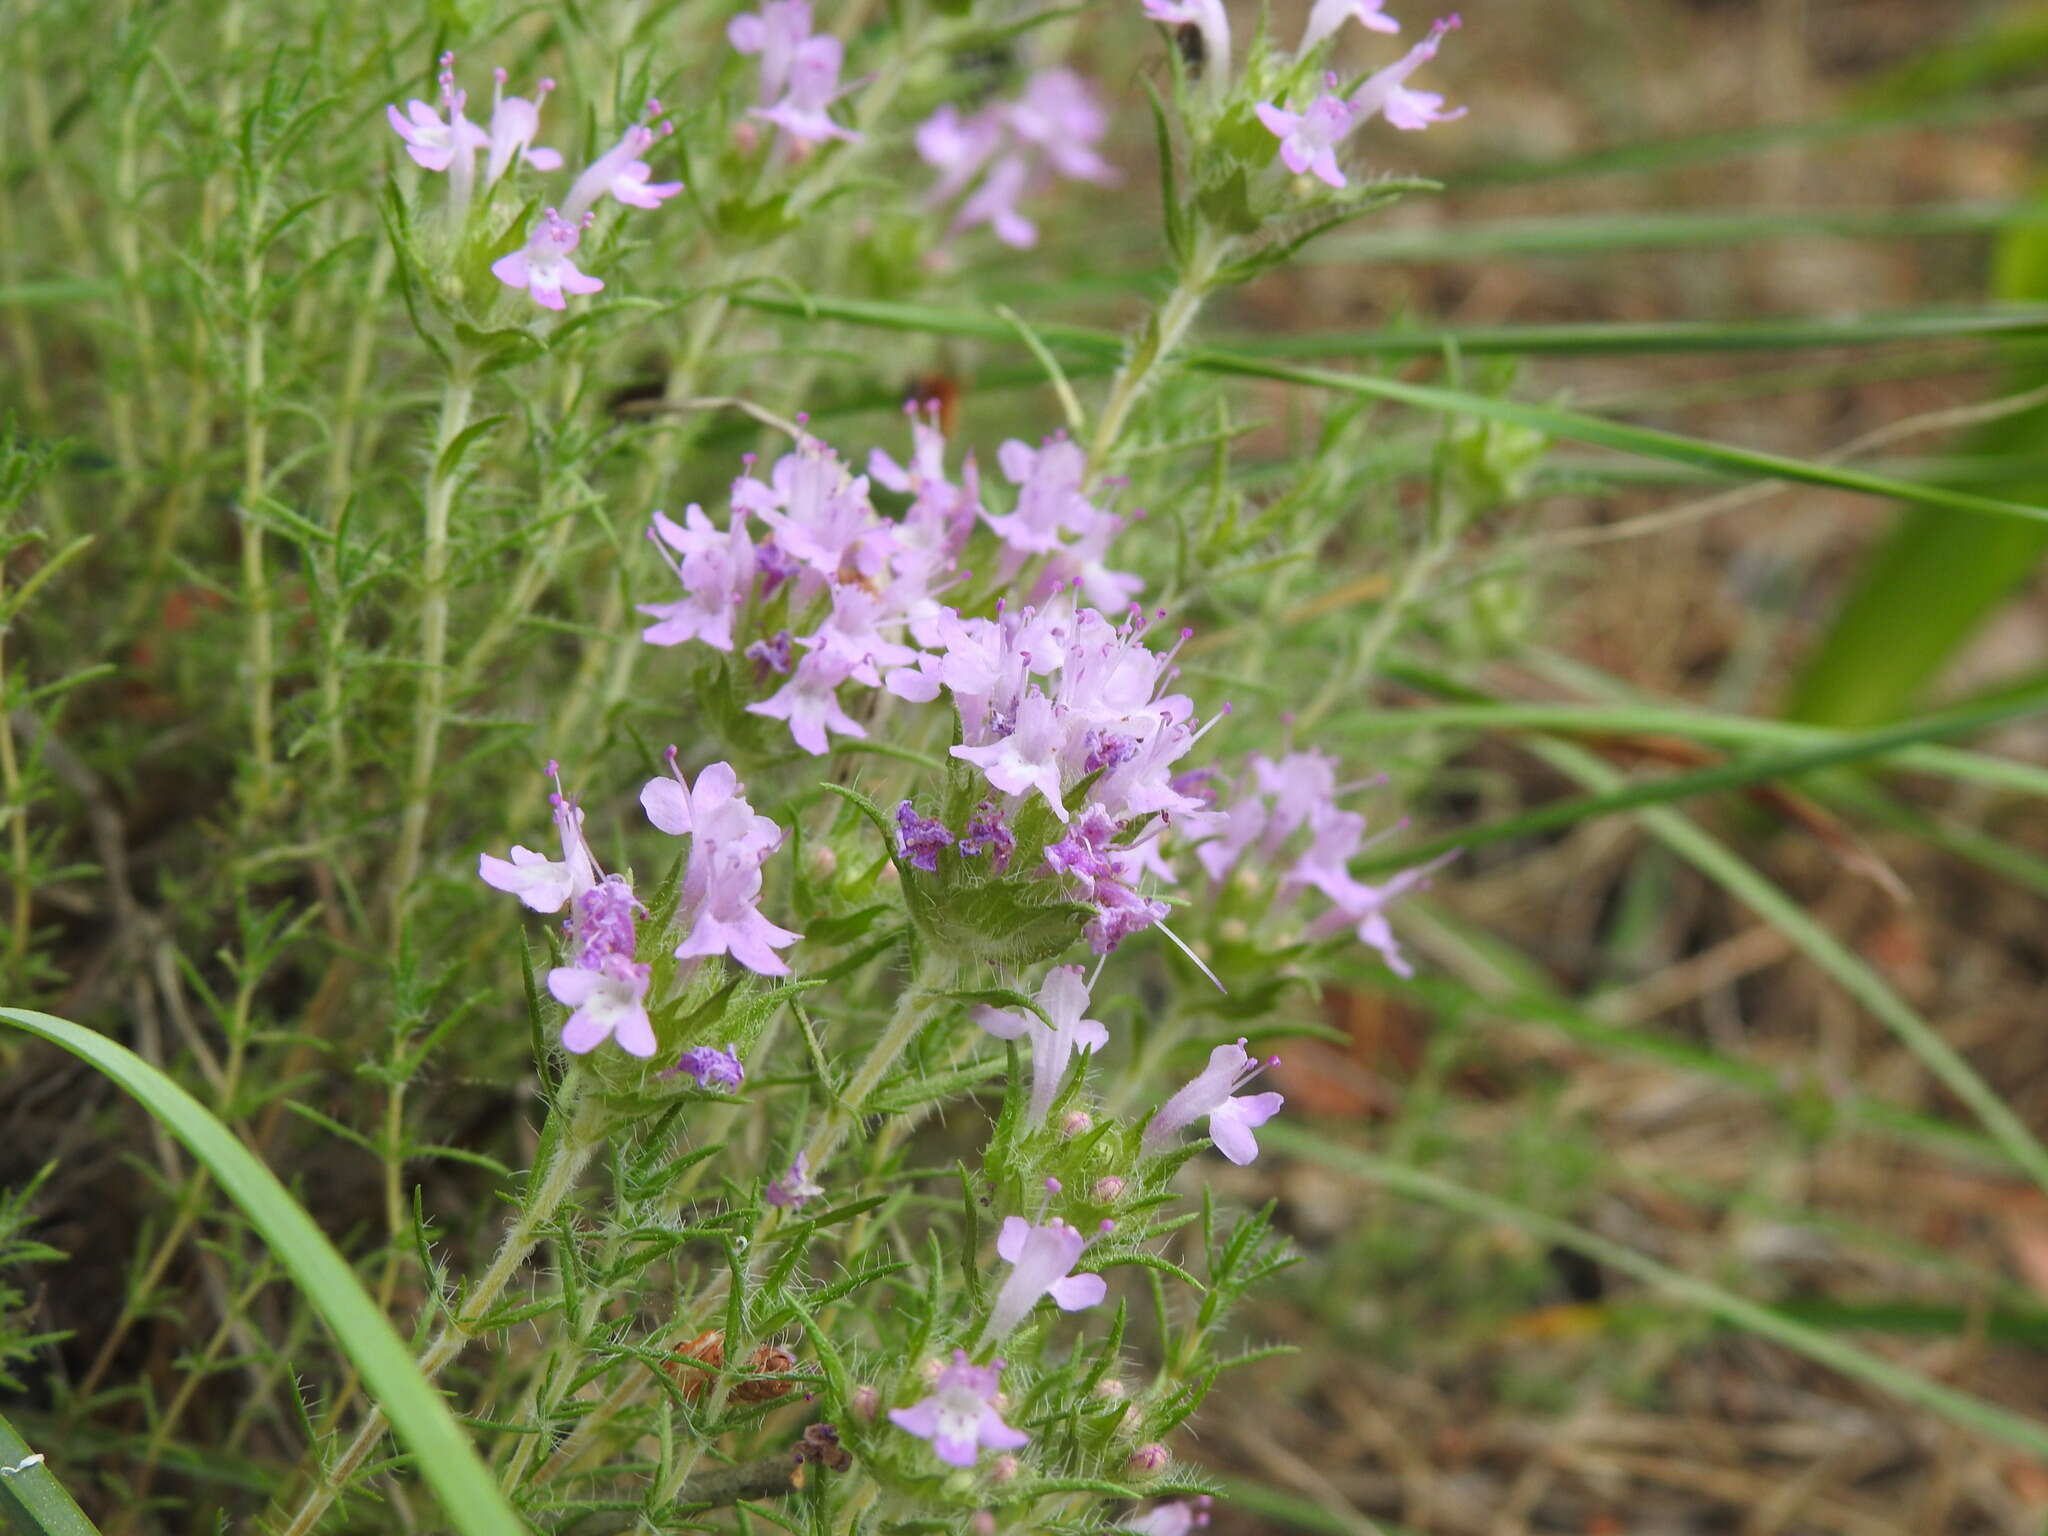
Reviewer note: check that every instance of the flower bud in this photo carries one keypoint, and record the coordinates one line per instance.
(1077, 1121)
(824, 863)
(931, 1371)
(1110, 1389)
(1148, 1459)
(982, 1523)
(1003, 1469)
(866, 1401)
(1108, 1190)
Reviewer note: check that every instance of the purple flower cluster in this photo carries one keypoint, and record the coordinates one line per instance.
(1309, 139)
(544, 266)
(1009, 150)
(799, 69)
(1279, 802)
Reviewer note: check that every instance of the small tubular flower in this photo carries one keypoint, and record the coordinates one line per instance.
(1063, 999)
(1028, 757)
(433, 144)
(711, 1067)
(919, 838)
(809, 702)
(621, 173)
(804, 110)
(1309, 139)
(1177, 1517)
(1042, 1259)
(603, 984)
(1213, 1095)
(514, 122)
(796, 1188)
(717, 573)
(1325, 17)
(960, 1417)
(1386, 94)
(543, 267)
(544, 884)
(775, 32)
(722, 881)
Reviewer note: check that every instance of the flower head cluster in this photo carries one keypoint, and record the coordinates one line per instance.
(602, 983)
(961, 1416)
(799, 69)
(991, 160)
(719, 910)
(1285, 818)
(1310, 138)
(544, 266)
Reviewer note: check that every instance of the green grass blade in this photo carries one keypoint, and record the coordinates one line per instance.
(1933, 584)
(1553, 421)
(31, 1498)
(1816, 1344)
(1681, 786)
(420, 1418)
(1693, 725)
(1603, 233)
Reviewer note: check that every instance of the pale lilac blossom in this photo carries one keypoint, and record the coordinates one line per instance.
(1325, 17)
(775, 32)
(1060, 116)
(514, 122)
(804, 109)
(543, 266)
(1213, 1095)
(809, 703)
(1177, 1517)
(1387, 94)
(1309, 139)
(1063, 999)
(729, 920)
(621, 173)
(1027, 758)
(960, 1417)
(602, 983)
(719, 902)
(1009, 151)
(433, 144)
(1042, 1259)
(717, 573)
(545, 884)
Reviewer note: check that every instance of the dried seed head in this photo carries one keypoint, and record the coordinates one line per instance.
(768, 1360)
(707, 1348)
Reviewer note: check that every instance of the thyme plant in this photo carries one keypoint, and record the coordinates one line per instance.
(914, 897)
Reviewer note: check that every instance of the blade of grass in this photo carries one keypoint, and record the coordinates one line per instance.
(31, 1498)
(1695, 725)
(1603, 233)
(442, 1451)
(1552, 421)
(2017, 1430)
(1681, 786)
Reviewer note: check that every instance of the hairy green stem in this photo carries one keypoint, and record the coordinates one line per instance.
(431, 704)
(256, 594)
(1163, 333)
(911, 1015)
(568, 1155)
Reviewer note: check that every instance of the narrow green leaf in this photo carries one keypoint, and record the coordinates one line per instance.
(31, 1498)
(470, 1497)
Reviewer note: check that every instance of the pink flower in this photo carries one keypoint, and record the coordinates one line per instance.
(1326, 16)
(795, 1189)
(543, 884)
(542, 266)
(603, 984)
(621, 173)
(994, 203)
(820, 513)
(1387, 94)
(1174, 1518)
(960, 1416)
(1049, 495)
(1212, 1094)
(1058, 114)
(1028, 757)
(775, 32)
(717, 573)
(1042, 1260)
(957, 147)
(804, 109)
(809, 701)
(1063, 998)
(514, 122)
(1309, 140)
(435, 145)
(729, 920)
